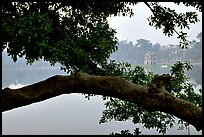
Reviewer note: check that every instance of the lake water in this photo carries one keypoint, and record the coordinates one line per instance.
(65, 114)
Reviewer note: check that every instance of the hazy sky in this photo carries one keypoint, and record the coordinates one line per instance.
(73, 114)
(138, 27)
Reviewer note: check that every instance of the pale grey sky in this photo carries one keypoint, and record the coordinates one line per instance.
(138, 27)
(73, 114)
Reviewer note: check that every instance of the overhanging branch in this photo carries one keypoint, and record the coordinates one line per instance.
(117, 87)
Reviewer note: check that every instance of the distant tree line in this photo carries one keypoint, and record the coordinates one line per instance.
(134, 53)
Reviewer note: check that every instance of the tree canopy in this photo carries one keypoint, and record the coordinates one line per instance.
(77, 35)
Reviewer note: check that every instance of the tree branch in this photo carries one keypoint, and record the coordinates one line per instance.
(154, 13)
(145, 96)
(149, 7)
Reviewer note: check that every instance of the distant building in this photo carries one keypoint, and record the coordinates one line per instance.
(150, 58)
(165, 47)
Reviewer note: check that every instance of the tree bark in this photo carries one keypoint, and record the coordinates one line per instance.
(150, 99)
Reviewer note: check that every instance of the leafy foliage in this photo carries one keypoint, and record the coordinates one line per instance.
(29, 35)
(68, 32)
(167, 19)
(180, 86)
(77, 35)
(127, 132)
(197, 5)
(66, 39)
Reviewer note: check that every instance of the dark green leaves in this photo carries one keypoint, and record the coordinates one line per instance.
(78, 39)
(197, 5)
(121, 111)
(181, 85)
(28, 36)
(168, 20)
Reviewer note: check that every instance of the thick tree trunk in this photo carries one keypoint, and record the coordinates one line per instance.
(145, 96)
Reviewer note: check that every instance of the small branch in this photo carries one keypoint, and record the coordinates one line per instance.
(116, 103)
(149, 7)
(146, 3)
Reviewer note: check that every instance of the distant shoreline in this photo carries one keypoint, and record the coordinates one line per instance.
(30, 68)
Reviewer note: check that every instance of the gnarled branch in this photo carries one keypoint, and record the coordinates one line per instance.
(116, 87)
